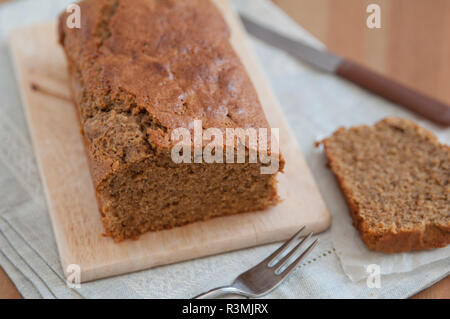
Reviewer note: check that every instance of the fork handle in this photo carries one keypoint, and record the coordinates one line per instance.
(217, 292)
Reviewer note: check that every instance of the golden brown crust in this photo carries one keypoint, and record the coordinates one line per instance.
(126, 51)
(396, 238)
(139, 69)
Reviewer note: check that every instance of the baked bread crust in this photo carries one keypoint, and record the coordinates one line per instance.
(401, 233)
(139, 69)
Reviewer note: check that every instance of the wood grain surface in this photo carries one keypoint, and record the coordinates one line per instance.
(7, 288)
(411, 46)
(440, 290)
(339, 24)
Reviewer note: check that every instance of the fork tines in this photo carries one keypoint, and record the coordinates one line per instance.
(282, 257)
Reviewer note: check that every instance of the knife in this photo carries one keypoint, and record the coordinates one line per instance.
(328, 62)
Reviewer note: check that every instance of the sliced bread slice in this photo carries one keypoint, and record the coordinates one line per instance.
(395, 177)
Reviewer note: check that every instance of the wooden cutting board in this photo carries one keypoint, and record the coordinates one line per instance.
(41, 71)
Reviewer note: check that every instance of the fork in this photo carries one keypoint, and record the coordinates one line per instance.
(268, 274)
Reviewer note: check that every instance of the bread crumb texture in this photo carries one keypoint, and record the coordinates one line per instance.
(395, 177)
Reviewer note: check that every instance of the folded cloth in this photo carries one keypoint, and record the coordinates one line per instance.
(314, 103)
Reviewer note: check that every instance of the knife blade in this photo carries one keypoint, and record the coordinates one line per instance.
(379, 84)
(321, 60)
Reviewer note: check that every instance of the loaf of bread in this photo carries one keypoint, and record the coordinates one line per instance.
(140, 69)
(396, 179)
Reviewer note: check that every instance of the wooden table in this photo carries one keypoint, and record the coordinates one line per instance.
(412, 46)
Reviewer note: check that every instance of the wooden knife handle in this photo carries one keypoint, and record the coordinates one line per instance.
(393, 91)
